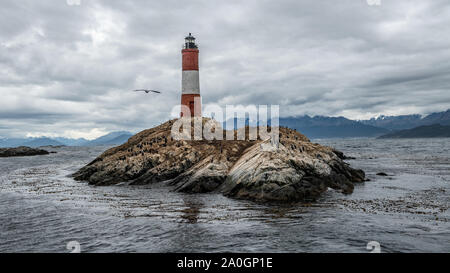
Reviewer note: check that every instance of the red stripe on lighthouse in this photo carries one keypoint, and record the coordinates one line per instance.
(190, 59)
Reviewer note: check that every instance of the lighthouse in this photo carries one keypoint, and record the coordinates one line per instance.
(190, 83)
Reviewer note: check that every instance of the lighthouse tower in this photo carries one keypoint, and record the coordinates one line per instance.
(190, 96)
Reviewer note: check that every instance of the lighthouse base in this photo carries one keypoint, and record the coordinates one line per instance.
(191, 105)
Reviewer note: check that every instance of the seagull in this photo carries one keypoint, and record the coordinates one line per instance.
(147, 91)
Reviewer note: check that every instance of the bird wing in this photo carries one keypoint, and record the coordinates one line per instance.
(147, 91)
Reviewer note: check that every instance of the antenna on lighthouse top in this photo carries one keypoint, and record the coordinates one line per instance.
(190, 42)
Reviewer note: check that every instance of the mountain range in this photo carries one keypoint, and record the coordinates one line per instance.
(312, 127)
(331, 127)
(114, 138)
(426, 131)
(341, 127)
(409, 121)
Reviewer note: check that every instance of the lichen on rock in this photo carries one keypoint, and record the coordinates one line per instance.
(297, 170)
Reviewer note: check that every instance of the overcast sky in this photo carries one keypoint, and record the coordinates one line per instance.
(67, 70)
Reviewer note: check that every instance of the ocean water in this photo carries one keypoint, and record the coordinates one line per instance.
(42, 209)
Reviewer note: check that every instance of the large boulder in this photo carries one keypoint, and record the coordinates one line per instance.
(296, 170)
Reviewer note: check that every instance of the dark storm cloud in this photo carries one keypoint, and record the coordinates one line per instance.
(68, 70)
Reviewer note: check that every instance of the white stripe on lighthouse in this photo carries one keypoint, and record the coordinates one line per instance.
(190, 82)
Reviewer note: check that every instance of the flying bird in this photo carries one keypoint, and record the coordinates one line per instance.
(147, 91)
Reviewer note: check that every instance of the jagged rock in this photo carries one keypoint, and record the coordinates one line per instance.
(297, 170)
(21, 151)
(341, 155)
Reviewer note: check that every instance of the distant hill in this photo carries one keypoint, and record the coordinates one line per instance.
(71, 141)
(331, 127)
(114, 138)
(428, 131)
(118, 140)
(409, 121)
(42, 141)
(442, 118)
(12, 142)
(394, 122)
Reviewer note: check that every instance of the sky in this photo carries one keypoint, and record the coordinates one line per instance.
(67, 67)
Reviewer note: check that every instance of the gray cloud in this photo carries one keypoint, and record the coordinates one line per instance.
(68, 70)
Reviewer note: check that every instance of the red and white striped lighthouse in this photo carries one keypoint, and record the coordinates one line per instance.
(190, 96)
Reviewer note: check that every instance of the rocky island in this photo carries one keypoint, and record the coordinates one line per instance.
(298, 170)
(21, 151)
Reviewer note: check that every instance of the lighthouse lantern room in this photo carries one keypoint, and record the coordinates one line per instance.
(190, 97)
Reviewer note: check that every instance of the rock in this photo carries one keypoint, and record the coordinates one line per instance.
(342, 156)
(289, 176)
(382, 174)
(297, 171)
(21, 151)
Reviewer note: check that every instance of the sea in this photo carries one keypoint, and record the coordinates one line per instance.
(42, 209)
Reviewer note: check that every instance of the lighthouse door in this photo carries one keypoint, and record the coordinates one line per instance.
(191, 108)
